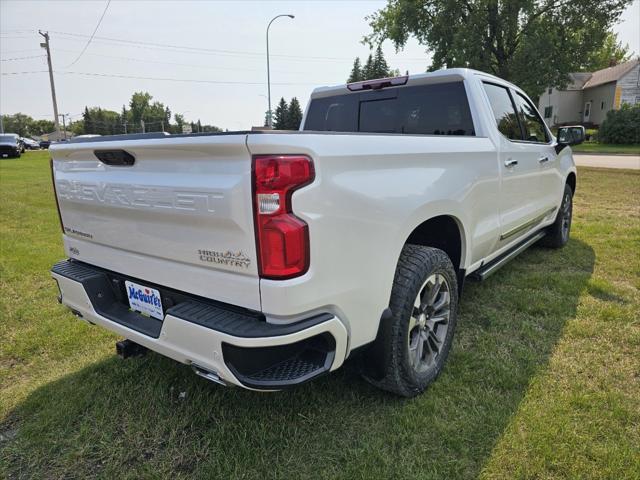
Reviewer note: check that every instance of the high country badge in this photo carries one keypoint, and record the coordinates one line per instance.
(228, 258)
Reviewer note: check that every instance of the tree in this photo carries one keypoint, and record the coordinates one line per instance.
(41, 127)
(367, 70)
(375, 67)
(17, 123)
(179, 122)
(294, 115)
(155, 114)
(139, 105)
(280, 115)
(77, 127)
(379, 68)
(87, 121)
(98, 121)
(533, 43)
(356, 72)
(609, 54)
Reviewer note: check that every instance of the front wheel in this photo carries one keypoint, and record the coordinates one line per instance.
(417, 337)
(558, 233)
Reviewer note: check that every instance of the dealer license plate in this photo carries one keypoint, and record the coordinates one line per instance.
(145, 300)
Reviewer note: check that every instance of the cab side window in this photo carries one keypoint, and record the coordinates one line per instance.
(533, 126)
(503, 111)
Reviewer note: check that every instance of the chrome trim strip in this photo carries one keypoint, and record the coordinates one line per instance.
(527, 224)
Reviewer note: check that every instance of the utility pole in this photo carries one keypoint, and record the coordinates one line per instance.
(45, 45)
(142, 125)
(125, 127)
(64, 125)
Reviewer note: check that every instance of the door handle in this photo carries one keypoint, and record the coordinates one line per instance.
(510, 162)
(544, 159)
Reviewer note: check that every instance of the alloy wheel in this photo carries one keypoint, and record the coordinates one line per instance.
(429, 322)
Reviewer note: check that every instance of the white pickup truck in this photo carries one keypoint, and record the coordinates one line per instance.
(265, 259)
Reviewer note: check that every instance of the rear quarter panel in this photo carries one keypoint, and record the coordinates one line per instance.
(370, 192)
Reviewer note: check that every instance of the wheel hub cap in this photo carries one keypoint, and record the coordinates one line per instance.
(429, 322)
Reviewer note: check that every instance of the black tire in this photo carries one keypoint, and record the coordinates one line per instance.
(399, 369)
(558, 233)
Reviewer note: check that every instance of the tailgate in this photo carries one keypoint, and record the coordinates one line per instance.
(181, 215)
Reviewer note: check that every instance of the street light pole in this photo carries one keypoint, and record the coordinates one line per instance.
(269, 113)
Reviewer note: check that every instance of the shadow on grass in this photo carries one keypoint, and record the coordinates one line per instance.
(151, 417)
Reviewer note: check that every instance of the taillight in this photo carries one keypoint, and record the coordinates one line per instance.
(282, 238)
(55, 193)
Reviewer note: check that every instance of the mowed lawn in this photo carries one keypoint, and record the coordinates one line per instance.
(607, 148)
(543, 380)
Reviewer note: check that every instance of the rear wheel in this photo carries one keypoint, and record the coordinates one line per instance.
(417, 337)
(558, 233)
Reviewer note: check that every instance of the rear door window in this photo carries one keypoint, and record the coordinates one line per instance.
(534, 130)
(439, 109)
(504, 111)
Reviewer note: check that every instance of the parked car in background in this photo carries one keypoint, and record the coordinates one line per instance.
(265, 259)
(9, 146)
(45, 144)
(18, 140)
(30, 144)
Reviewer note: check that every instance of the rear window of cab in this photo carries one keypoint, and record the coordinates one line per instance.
(437, 109)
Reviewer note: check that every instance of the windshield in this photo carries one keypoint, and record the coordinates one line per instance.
(7, 138)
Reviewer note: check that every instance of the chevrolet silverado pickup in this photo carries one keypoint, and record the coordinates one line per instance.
(265, 259)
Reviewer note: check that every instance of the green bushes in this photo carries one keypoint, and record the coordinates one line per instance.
(621, 126)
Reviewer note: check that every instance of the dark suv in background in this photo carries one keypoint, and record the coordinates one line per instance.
(10, 146)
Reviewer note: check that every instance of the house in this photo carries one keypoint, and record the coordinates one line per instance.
(55, 137)
(589, 96)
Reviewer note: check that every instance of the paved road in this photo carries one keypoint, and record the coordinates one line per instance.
(607, 161)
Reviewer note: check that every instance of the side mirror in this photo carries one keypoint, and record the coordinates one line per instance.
(570, 136)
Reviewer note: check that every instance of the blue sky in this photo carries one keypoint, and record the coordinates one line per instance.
(226, 41)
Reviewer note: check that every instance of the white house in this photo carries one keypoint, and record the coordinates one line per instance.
(589, 96)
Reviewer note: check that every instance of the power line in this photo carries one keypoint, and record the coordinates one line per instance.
(21, 58)
(213, 51)
(195, 49)
(168, 79)
(92, 35)
(165, 79)
(144, 60)
(24, 73)
(210, 51)
(22, 51)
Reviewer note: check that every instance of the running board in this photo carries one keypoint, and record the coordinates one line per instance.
(490, 268)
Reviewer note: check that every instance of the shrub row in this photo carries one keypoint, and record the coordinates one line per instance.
(621, 126)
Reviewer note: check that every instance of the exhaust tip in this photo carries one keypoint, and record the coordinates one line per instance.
(208, 374)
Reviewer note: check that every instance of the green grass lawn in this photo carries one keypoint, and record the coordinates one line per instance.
(543, 381)
(593, 147)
